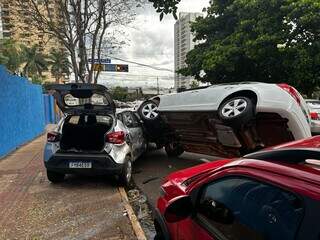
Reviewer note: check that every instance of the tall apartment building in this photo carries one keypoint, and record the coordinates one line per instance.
(183, 43)
(17, 25)
(1, 27)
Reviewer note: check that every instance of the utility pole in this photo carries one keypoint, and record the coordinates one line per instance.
(158, 89)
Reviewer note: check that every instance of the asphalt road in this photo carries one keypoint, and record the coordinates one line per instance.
(150, 170)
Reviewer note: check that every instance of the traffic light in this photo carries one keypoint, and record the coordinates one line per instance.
(122, 68)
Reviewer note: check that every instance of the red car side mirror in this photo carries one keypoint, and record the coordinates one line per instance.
(179, 209)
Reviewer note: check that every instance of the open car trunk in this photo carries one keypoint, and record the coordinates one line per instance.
(85, 132)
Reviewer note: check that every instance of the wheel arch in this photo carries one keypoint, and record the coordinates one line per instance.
(243, 93)
(156, 99)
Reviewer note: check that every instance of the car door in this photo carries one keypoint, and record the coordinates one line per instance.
(135, 133)
(240, 208)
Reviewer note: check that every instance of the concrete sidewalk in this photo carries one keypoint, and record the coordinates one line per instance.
(33, 208)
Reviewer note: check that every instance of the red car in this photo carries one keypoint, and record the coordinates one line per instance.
(273, 194)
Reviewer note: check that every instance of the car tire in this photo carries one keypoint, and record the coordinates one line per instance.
(174, 150)
(125, 177)
(237, 112)
(55, 177)
(148, 111)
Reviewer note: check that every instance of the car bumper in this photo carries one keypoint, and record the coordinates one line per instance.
(101, 164)
(161, 224)
(315, 127)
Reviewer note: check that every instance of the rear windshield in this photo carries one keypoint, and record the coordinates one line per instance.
(95, 99)
(89, 119)
(314, 104)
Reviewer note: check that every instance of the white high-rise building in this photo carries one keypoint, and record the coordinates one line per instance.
(183, 43)
(1, 25)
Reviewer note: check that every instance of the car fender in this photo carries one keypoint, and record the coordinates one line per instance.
(49, 150)
(162, 224)
(119, 152)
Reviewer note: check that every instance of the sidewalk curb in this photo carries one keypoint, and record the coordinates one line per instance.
(132, 216)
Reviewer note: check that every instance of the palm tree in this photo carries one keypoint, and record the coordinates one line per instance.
(10, 54)
(34, 61)
(59, 62)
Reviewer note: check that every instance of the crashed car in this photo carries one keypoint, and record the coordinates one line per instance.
(272, 194)
(314, 106)
(226, 119)
(91, 139)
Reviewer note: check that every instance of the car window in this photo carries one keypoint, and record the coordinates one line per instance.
(130, 120)
(85, 119)
(95, 99)
(312, 212)
(314, 104)
(258, 211)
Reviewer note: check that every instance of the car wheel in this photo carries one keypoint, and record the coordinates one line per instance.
(125, 176)
(55, 177)
(148, 111)
(174, 149)
(237, 111)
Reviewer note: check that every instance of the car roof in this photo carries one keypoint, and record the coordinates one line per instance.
(305, 172)
(298, 159)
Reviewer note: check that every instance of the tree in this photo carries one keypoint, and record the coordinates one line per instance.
(194, 84)
(59, 62)
(10, 54)
(86, 28)
(165, 7)
(34, 62)
(258, 40)
(120, 94)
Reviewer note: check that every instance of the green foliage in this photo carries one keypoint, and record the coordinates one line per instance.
(120, 94)
(34, 61)
(37, 79)
(60, 64)
(166, 7)
(10, 54)
(194, 84)
(258, 40)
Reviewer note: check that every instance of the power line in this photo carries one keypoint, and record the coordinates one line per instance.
(107, 74)
(142, 64)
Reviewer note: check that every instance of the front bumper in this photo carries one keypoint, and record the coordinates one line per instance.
(101, 164)
(161, 225)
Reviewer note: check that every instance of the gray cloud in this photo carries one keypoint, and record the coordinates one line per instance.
(151, 42)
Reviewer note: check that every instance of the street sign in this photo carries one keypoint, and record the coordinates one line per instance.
(111, 67)
(101, 61)
(98, 67)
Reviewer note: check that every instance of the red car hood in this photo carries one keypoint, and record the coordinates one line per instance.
(186, 174)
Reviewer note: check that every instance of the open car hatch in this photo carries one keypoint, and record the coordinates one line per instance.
(78, 98)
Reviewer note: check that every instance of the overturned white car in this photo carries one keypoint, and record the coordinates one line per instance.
(227, 119)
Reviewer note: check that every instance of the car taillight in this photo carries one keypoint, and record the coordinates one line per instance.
(291, 90)
(53, 137)
(116, 137)
(315, 116)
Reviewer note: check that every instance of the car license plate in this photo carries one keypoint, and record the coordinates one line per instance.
(80, 165)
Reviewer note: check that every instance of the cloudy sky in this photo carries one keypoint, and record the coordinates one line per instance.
(150, 42)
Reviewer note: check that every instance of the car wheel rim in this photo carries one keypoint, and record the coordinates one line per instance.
(129, 171)
(150, 111)
(234, 108)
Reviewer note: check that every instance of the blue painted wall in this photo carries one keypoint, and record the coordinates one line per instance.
(49, 113)
(22, 115)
